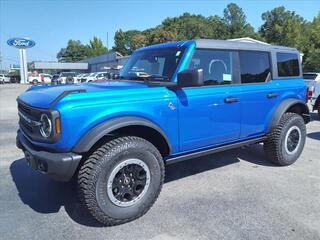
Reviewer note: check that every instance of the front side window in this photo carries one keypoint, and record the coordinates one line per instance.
(288, 64)
(254, 66)
(216, 65)
(155, 64)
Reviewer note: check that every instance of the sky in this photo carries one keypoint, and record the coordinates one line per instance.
(51, 23)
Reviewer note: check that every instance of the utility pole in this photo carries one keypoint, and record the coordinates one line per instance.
(0, 60)
(108, 41)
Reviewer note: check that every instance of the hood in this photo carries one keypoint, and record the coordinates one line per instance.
(44, 96)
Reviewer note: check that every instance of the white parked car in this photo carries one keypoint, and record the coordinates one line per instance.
(313, 83)
(80, 76)
(4, 79)
(41, 78)
(97, 75)
(84, 77)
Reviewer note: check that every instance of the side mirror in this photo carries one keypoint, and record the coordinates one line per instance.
(190, 78)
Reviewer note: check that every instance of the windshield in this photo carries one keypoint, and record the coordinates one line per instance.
(67, 74)
(92, 74)
(155, 64)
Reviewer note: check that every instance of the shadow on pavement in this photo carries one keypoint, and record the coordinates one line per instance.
(44, 195)
(314, 135)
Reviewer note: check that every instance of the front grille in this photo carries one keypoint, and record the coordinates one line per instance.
(24, 108)
(27, 114)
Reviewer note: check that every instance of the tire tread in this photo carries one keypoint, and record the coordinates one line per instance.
(272, 146)
(87, 176)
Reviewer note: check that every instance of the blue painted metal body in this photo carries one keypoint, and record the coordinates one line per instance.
(199, 120)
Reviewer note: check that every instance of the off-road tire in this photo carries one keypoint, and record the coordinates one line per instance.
(274, 146)
(95, 171)
(69, 80)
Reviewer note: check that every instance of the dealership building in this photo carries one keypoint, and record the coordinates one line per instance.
(104, 62)
(100, 63)
(56, 67)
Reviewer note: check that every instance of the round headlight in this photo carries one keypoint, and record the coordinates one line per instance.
(46, 126)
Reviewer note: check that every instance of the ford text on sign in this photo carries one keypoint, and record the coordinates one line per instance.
(21, 43)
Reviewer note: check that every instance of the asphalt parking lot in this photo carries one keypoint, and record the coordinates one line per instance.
(232, 195)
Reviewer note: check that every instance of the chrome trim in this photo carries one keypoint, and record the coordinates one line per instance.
(28, 120)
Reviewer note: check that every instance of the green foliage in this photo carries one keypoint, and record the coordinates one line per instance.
(312, 54)
(14, 73)
(311, 62)
(283, 27)
(187, 26)
(236, 22)
(76, 51)
(96, 47)
(123, 41)
(280, 26)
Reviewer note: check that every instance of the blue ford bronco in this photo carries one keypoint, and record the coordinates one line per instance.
(171, 102)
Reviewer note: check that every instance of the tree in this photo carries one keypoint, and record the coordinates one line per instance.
(217, 28)
(280, 27)
(311, 61)
(159, 35)
(283, 27)
(236, 22)
(123, 41)
(96, 47)
(186, 26)
(312, 56)
(74, 52)
(138, 40)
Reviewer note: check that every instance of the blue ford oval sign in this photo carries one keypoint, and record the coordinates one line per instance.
(21, 43)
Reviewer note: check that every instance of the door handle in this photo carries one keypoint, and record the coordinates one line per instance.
(231, 100)
(272, 95)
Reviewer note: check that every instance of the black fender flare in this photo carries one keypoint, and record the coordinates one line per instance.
(96, 133)
(316, 104)
(283, 107)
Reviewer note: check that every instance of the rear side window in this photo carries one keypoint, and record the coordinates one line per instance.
(254, 66)
(288, 64)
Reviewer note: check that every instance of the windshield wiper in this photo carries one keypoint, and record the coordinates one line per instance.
(147, 78)
(151, 80)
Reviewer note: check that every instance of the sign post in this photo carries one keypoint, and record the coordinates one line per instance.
(22, 44)
(23, 66)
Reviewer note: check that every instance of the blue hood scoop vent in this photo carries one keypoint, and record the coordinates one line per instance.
(65, 93)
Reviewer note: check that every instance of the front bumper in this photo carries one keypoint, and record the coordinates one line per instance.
(58, 166)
